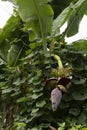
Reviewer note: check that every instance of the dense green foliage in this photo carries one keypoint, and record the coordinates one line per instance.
(28, 42)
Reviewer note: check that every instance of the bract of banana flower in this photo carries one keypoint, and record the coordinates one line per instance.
(56, 96)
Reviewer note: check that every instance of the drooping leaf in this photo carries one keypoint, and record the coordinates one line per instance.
(6, 33)
(74, 12)
(10, 26)
(76, 17)
(60, 20)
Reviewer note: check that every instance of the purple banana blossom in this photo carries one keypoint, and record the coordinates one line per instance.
(56, 96)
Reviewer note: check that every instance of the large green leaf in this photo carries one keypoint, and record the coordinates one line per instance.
(37, 13)
(60, 20)
(76, 17)
(10, 26)
(6, 33)
(74, 12)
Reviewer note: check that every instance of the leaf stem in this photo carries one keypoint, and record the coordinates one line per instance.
(41, 27)
(18, 55)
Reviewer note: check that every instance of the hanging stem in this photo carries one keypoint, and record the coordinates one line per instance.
(59, 61)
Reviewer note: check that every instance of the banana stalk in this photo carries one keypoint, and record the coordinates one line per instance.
(61, 71)
(60, 66)
(59, 61)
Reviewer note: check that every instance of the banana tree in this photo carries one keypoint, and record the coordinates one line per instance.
(36, 64)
